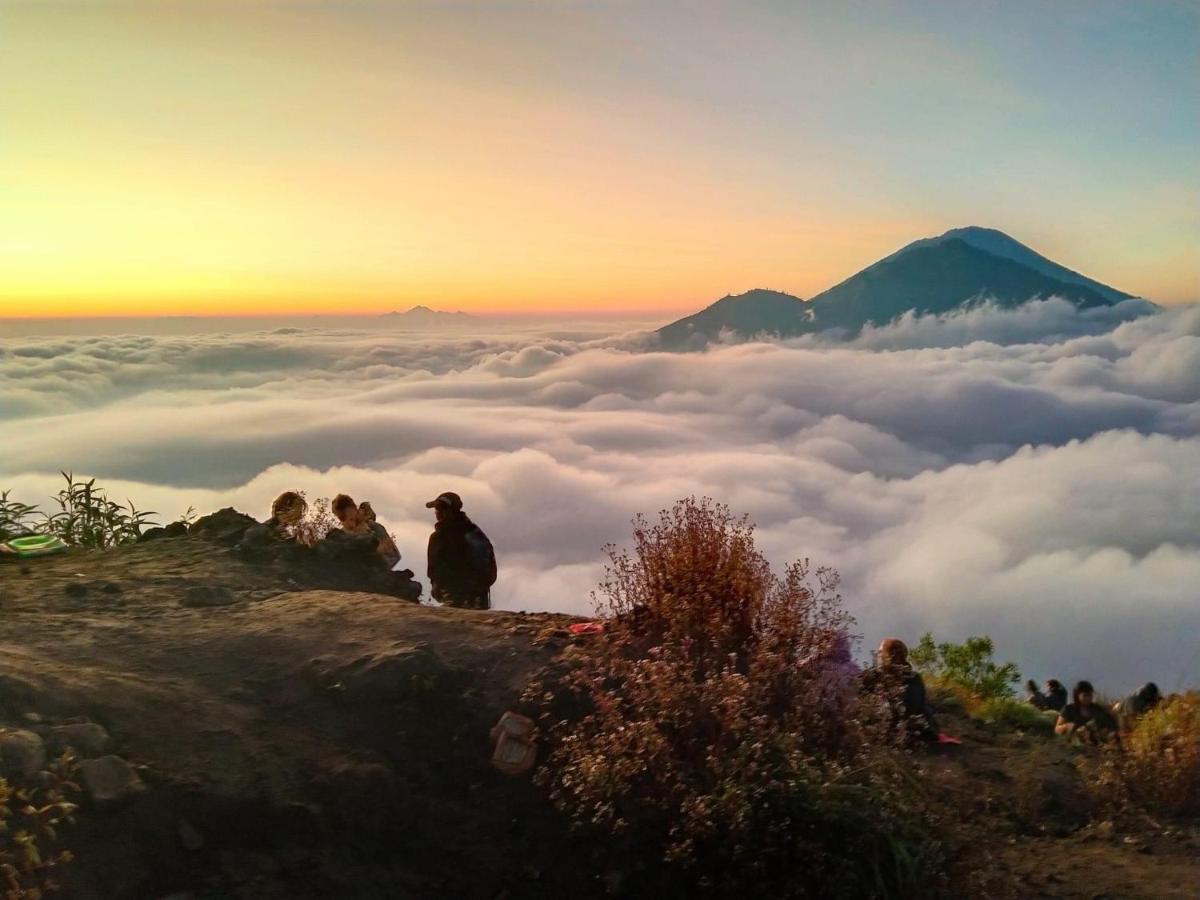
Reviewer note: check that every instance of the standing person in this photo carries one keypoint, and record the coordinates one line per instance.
(1084, 718)
(462, 563)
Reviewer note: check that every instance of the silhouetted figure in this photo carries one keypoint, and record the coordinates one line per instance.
(1137, 704)
(895, 678)
(462, 563)
(1054, 698)
(1083, 718)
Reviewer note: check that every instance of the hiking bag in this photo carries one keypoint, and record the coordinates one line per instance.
(481, 556)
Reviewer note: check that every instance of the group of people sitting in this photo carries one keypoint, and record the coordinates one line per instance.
(1083, 718)
(1086, 719)
(461, 559)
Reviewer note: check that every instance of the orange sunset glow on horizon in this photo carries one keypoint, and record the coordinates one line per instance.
(205, 158)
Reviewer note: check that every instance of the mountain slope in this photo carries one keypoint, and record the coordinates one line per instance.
(936, 278)
(1000, 244)
(929, 276)
(746, 314)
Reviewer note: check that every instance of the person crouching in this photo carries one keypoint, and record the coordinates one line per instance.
(462, 563)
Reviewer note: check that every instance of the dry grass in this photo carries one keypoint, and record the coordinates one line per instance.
(1159, 766)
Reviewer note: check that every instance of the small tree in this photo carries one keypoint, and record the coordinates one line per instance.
(968, 665)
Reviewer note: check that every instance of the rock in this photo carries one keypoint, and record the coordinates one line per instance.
(108, 587)
(191, 839)
(175, 529)
(87, 739)
(225, 526)
(22, 754)
(75, 589)
(31, 718)
(152, 534)
(110, 779)
(203, 595)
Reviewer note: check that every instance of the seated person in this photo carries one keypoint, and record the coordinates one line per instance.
(894, 676)
(1054, 697)
(287, 511)
(1137, 704)
(1084, 719)
(357, 519)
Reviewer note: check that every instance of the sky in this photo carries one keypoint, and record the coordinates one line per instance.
(210, 157)
(1017, 473)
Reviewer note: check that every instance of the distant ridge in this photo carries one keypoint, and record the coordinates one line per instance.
(424, 317)
(929, 276)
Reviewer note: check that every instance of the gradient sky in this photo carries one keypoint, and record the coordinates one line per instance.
(260, 157)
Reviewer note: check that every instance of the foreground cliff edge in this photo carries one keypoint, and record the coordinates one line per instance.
(286, 741)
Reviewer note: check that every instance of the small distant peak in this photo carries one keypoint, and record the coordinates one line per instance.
(420, 309)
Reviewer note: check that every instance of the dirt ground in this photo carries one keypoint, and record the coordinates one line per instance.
(317, 743)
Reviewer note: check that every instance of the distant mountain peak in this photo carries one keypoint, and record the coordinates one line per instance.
(930, 276)
(423, 317)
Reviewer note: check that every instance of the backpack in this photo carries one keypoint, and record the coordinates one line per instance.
(481, 556)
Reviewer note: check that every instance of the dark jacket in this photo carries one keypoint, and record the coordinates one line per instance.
(462, 565)
(1092, 724)
(905, 690)
(1054, 699)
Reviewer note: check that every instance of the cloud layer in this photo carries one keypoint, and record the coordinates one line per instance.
(1028, 474)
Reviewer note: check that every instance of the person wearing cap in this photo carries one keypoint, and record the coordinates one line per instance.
(462, 563)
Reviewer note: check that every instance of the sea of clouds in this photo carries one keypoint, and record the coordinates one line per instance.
(1032, 474)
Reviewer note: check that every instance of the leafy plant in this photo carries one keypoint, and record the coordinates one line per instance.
(721, 748)
(30, 818)
(969, 664)
(1013, 713)
(16, 519)
(88, 518)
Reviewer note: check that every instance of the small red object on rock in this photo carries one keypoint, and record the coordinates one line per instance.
(586, 628)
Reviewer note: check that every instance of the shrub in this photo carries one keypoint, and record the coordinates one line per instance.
(317, 521)
(1014, 714)
(88, 518)
(724, 749)
(29, 822)
(1158, 767)
(968, 664)
(16, 519)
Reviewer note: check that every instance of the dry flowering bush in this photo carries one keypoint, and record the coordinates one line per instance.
(721, 746)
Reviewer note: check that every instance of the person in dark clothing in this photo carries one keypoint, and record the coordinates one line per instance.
(1084, 718)
(1136, 704)
(1054, 697)
(462, 563)
(897, 680)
